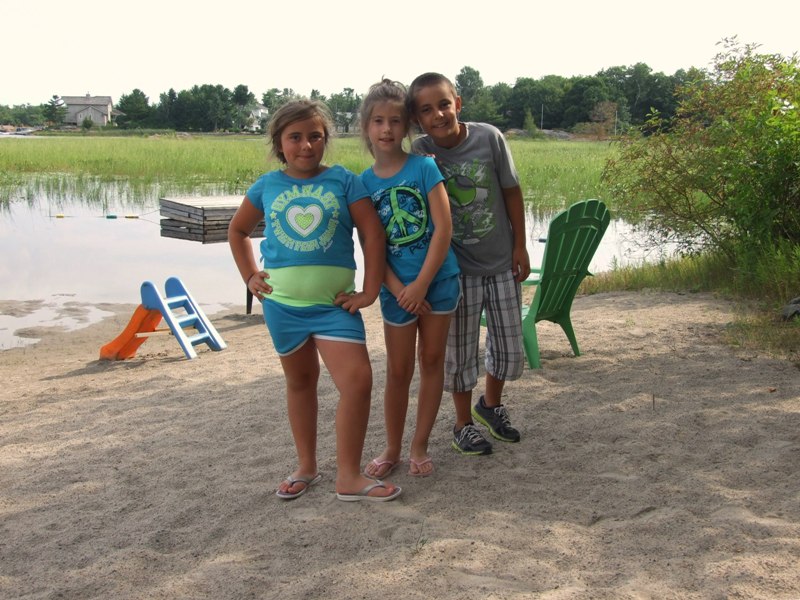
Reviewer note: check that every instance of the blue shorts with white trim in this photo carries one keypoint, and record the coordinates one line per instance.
(443, 296)
(292, 326)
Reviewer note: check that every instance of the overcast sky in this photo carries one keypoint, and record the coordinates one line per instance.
(56, 47)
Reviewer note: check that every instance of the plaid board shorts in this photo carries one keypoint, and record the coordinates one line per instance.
(501, 297)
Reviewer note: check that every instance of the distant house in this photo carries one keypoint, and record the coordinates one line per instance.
(258, 115)
(347, 122)
(99, 109)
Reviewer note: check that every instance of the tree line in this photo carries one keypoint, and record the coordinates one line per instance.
(612, 100)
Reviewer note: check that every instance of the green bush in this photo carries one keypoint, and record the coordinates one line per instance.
(724, 174)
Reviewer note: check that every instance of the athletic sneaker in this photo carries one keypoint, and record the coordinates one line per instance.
(496, 419)
(468, 440)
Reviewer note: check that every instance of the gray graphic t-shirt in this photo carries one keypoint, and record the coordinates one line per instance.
(475, 172)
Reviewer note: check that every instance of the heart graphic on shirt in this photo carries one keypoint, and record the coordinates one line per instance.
(304, 220)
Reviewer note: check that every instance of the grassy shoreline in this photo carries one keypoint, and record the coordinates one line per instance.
(553, 174)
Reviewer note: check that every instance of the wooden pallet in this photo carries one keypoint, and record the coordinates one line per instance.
(202, 219)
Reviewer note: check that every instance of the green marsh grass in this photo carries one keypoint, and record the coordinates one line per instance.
(88, 168)
(153, 158)
(691, 273)
(553, 173)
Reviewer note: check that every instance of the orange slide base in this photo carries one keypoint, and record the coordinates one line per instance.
(126, 343)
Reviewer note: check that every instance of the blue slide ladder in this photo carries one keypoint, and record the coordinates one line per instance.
(181, 312)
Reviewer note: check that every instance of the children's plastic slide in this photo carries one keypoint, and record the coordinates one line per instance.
(180, 311)
(124, 346)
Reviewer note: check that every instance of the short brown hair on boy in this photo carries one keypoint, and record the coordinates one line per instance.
(423, 81)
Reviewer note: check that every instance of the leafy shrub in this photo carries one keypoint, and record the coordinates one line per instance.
(724, 173)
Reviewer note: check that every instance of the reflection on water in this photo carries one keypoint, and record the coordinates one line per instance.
(20, 320)
(83, 251)
(60, 191)
(619, 247)
(63, 249)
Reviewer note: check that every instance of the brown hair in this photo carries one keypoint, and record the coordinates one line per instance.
(423, 81)
(385, 90)
(293, 111)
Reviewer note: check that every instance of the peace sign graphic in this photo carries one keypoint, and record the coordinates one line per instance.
(405, 226)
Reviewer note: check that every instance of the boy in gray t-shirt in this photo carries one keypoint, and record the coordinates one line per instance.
(489, 241)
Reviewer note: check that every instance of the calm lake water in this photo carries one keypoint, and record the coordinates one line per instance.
(86, 258)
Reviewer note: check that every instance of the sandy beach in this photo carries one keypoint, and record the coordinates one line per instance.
(661, 463)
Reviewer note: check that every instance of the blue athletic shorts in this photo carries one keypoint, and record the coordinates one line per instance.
(291, 326)
(443, 296)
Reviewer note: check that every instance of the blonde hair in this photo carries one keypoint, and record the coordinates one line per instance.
(293, 111)
(385, 90)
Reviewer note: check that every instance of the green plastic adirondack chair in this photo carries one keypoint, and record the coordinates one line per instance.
(572, 239)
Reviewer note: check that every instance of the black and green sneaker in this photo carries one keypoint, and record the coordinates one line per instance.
(468, 440)
(497, 420)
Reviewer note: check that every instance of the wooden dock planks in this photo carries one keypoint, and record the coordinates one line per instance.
(202, 219)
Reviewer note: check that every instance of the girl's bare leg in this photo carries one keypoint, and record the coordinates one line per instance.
(301, 370)
(432, 342)
(400, 346)
(349, 366)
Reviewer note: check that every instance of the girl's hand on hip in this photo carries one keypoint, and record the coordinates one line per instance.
(257, 284)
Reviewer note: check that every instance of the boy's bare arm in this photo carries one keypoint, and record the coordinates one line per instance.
(520, 261)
